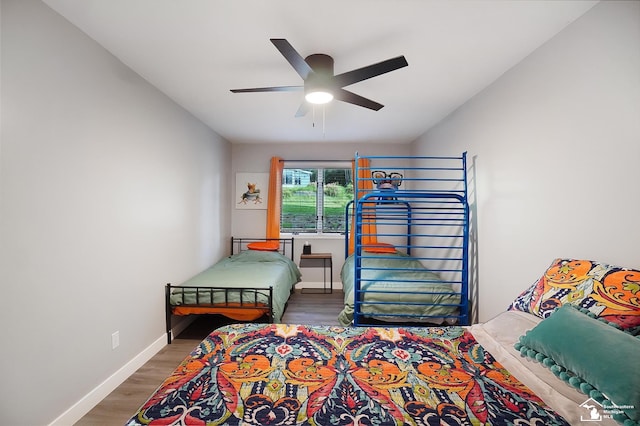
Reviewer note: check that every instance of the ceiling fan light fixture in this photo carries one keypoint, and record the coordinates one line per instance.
(321, 84)
(319, 97)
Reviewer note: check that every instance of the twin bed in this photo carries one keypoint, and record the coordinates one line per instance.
(253, 283)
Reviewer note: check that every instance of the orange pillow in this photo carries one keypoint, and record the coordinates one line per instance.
(380, 248)
(264, 246)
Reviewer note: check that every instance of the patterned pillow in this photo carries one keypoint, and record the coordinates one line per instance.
(608, 292)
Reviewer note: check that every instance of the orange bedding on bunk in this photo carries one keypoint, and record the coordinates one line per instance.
(239, 314)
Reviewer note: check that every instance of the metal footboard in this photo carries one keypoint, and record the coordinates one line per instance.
(218, 298)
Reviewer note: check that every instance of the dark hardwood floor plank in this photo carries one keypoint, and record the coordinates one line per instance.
(317, 309)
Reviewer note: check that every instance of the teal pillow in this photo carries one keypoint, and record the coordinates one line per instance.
(592, 356)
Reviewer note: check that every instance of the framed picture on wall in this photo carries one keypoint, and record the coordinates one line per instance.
(252, 191)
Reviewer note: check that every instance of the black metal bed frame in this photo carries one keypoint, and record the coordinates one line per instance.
(248, 296)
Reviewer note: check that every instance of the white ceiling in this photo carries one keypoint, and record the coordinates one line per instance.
(195, 51)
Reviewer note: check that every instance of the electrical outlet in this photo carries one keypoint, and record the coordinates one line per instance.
(115, 340)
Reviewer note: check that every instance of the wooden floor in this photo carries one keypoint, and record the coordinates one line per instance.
(123, 402)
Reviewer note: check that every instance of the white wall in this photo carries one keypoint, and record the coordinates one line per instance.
(556, 147)
(108, 190)
(256, 158)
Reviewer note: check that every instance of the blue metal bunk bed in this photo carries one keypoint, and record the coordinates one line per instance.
(408, 262)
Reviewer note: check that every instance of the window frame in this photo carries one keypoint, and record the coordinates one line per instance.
(320, 183)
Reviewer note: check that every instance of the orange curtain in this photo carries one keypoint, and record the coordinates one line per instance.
(364, 185)
(275, 194)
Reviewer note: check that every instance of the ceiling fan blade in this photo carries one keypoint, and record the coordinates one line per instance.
(302, 110)
(350, 97)
(369, 71)
(269, 89)
(297, 62)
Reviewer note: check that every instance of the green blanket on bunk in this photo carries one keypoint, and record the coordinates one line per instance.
(380, 273)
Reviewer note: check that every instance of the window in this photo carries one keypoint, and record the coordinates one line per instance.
(313, 200)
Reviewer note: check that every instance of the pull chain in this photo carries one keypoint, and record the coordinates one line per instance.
(313, 121)
(323, 120)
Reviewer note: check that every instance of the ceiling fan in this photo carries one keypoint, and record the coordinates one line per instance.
(320, 84)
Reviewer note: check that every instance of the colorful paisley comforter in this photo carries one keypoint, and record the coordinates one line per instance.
(276, 374)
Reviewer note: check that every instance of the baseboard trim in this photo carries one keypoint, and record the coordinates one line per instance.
(93, 398)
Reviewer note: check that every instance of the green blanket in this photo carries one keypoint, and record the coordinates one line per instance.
(247, 269)
(390, 273)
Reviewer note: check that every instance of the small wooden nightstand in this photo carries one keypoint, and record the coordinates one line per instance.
(318, 260)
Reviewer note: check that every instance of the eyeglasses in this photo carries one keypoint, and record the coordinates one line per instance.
(379, 176)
